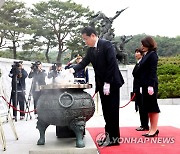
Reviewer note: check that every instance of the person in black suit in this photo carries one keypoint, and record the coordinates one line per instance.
(149, 83)
(108, 80)
(54, 71)
(38, 74)
(81, 76)
(136, 89)
(18, 75)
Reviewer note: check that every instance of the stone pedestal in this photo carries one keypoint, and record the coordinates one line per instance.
(64, 146)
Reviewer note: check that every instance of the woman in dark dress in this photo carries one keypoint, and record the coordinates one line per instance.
(149, 83)
(136, 89)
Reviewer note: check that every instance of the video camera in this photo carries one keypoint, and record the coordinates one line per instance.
(15, 67)
(53, 67)
(17, 64)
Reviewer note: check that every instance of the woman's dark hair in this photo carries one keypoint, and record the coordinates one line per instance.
(88, 31)
(150, 43)
(139, 50)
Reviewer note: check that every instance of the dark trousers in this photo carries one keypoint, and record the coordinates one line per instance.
(110, 108)
(142, 112)
(36, 95)
(20, 101)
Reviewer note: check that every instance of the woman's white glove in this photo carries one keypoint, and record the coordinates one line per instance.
(106, 88)
(150, 90)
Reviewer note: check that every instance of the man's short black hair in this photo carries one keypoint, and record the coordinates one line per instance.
(88, 31)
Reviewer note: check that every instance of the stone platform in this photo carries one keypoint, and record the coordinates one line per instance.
(56, 145)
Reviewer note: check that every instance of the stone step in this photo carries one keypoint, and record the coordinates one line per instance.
(56, 145)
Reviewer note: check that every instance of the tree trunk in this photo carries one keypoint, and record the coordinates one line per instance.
(47, 52)
(59, 55)
(14, 50)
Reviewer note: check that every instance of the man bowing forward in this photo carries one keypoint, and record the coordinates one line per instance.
(108, 80)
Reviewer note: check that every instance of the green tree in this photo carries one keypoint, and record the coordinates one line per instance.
(169, 77)
(166, 46)
(59, 22)
(14, 25)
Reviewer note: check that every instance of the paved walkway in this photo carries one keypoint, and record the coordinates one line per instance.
(28, 134)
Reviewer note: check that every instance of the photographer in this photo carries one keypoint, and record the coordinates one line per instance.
(55, 71)
(81, 76)
(38, 75)
(18, 75)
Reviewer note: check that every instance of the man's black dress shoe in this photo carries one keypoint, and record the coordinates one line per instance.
(113, 144)
(142, 128)
(108, 143)
(14, 118)
(101, 141)
(104, 142)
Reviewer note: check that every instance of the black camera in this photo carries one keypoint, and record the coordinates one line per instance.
(53, 67)
(17, 64)
(15, 67)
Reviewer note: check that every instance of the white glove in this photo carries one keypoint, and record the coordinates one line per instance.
(73, 60)
(70, 70)
(106, 88)
(150, 90)
(140, 90)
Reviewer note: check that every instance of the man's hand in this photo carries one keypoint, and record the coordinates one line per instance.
(71, 70)
(73, 60)
(106, 88)
(150, 90)
(67, 72)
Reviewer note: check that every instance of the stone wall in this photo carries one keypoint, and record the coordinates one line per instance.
(5, 65)
(5, 83)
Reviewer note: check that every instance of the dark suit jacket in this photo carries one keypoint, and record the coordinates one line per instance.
(137, 78)
(38, 78)
(148, 69)
(104, 63)
(20, 82)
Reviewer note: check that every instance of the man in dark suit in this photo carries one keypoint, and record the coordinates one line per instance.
(38, 74)
(18, 75)
(108, 81)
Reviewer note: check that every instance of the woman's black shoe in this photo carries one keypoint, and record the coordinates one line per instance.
(142, 128)
(144, 134)
(153, 135)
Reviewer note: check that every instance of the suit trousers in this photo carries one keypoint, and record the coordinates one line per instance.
(20, 100)
(110, 108)
(36, 95)
(142, 112)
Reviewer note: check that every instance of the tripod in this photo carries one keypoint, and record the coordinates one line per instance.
(28, 102)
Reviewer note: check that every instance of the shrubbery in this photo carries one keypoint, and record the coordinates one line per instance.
(169, 77)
